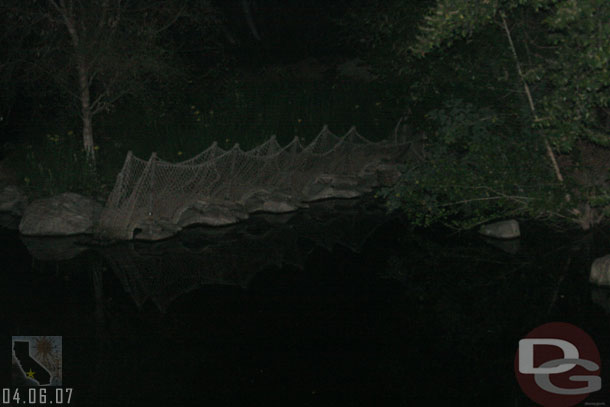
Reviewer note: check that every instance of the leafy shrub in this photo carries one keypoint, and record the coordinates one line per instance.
(475, 170)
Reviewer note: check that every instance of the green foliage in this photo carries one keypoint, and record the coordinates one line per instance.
(381, 28)
(96, 53)
(56, 164)
(474, 172)
(462, 51)
(450, 20)
(569, 66)
(577, 104)
(462, 126)
(600, 201)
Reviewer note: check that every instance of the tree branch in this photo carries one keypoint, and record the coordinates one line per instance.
(172, 21)
(520, 199)
(530, 100)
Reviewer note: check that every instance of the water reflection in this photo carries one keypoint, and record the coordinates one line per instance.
(336, 303)
(200, 256)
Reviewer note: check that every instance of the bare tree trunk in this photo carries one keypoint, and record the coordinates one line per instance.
(547, 145)
(85, 106)
(227, 34)
(66, 13)
(245, 5)
(587, 216)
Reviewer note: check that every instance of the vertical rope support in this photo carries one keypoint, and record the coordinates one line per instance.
(120, 179)
(229, 189)
(153, 159)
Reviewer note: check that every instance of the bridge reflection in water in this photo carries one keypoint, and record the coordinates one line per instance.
(201, 256)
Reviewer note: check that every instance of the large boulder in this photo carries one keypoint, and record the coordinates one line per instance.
(506, 229)
(317, 192)
(13, 200)
(212, 214)
(271, 202)
(62, 215)
(601, 297)
(155, 229)
(600, 271)
(329, 186)
(387, 174)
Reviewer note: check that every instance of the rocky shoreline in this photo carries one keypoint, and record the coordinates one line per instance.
(71, 214)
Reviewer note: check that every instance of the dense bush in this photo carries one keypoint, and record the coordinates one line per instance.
(475, 171)
(544, 65)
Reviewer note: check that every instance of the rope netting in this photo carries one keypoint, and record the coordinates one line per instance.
(163, 271)
(160, 192)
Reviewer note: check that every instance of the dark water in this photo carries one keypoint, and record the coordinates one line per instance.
(328, 306)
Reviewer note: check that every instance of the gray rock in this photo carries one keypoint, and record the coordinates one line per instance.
(155, 229)
(387, 174)
(62, 215)
(13, 200)
(328, 186)
(600, 271)
(369, 180)
(212, 214)
(316, 192)
(601, 297)
(337, 180)
(506, 229)
(265, 201)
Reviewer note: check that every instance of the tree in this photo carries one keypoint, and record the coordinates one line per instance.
(100, 51)
(569, 67)
(246, 6)
(576, 74)
(555, 51)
